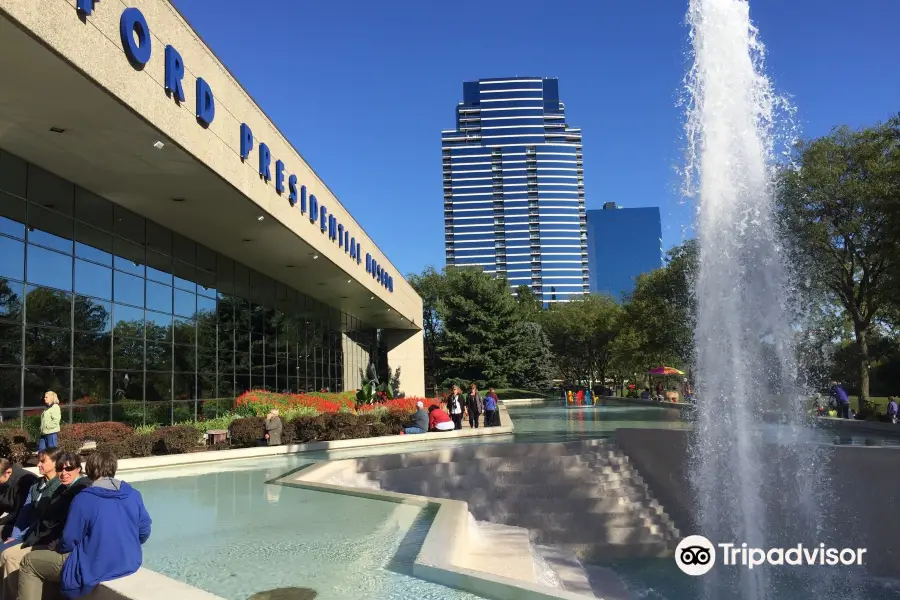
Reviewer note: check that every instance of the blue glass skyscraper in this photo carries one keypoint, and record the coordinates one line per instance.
(623, 243)
(514, 187)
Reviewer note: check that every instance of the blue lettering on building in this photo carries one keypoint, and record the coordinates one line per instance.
(313, 208)
(206, 103)
(133, 24)
(85, 7)
(137, 45)
(279, 176)
(265, 159)
(292, 190)
(174, 74)
(246, 141)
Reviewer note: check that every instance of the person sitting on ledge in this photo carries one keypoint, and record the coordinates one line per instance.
(15, 483)
(419, 423)
(101, 541)
(439, 420)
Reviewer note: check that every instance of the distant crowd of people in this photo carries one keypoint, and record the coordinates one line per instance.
(472, 406)
(69, 528)
(839, 404)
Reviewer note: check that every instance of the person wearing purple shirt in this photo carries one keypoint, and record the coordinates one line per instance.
(841, 399)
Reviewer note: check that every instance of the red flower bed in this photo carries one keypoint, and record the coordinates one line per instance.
(323, 403)
(401, 404)
(262, 400)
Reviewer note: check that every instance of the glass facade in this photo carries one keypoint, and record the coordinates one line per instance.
(623, 243)
(514, 187)
(127, 320)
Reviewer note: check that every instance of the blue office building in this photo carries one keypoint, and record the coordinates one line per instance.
(623, 243)
(514, 187)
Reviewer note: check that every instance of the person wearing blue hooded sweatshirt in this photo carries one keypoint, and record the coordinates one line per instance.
(101, 541)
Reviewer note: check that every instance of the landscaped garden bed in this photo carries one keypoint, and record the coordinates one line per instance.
(307, 418)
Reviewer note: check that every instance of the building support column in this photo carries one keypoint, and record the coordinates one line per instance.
(406, 349)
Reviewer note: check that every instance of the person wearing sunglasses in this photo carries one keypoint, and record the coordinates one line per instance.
(36, 502)
(101, 541)
(47, 529)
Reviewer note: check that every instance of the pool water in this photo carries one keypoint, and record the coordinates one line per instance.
(660, 579)
(233, 535)
(220, 527)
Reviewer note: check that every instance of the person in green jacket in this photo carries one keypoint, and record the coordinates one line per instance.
(50, 420)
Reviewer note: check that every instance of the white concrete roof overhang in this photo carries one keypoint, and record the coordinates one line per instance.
(108, 149)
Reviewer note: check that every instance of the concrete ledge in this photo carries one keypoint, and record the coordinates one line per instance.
(401, 441)
(664, 404)
(516, 401)
(148, 585)
(446, 543)
(854, 426)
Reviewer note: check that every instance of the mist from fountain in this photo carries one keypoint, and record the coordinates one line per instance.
(736, 127)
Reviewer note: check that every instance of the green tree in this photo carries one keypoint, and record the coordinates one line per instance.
(658, 320)
(429, 287)
(538, 360)
(581, 334)
(838, 210)
(482, 333)
(529, 304)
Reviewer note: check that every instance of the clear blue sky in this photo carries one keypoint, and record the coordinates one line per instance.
(364, 88)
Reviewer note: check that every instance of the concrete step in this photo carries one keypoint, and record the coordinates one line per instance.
(607, 504)
(588, 532)
(600, 553)
(461, 488)
(472, 477)
(631, 514)
(504, 465)
(470, 452)
(571, 521)
(567, 569)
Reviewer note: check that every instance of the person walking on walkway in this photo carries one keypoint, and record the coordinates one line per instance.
(474, 406)
(490, 408)
(50, 421)
(455, 406)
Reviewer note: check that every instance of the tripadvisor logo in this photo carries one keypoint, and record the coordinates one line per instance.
(695, 555)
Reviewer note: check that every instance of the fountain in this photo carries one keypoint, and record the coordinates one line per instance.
(747, 474)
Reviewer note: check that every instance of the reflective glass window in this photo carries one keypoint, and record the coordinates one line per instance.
(50, 191)
(128, 321)
(93, 244)
(159, 297)
(129, 257)
(128, 225)
(48, 346)
(93, 210)
(185, 303)
(12, 258)
(10, 343)
(48, 268)
(93, 280)
(12, 296)
(128, 289)
(159, 239)
(159, 326)
(49, 229)
(12, 216)
(13, 174)
(10, 387)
